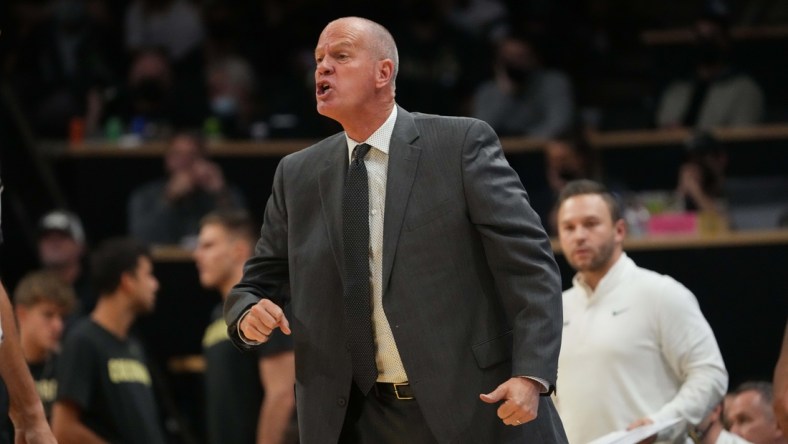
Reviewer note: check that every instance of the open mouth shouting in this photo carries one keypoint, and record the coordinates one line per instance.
(322, 88)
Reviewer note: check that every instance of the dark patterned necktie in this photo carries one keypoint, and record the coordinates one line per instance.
(357, 292)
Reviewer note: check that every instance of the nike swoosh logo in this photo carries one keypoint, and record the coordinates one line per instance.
(619, 311)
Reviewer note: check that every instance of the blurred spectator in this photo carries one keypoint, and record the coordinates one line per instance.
(223, 23)
(105, 391)
(155, 99)
(149, 99)
(231, 90)
(718, 94)
(168, 210)
(524, 98)
(482, 18)
(752, 416)
(60, 69)
(702, 176)
(61, 249)
(712, 430)
(568, 157)
(431, 66)
(41, 303)
(249, 396)
(171, 24)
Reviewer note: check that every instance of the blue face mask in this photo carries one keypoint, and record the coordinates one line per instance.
(224, 105)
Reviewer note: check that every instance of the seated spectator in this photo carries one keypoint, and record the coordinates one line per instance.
(718, 94)
(41, 303)
(752, 416)
(712, 430)
(524, 98)
(702, 175)
(432, 76)
(174, 25)
(148, 104)
(231, 90)
(61, 250)
(168, 210)
(567, 157)
(105, 391)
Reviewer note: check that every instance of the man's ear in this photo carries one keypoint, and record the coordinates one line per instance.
(126, 281)
(385, 72)
(621, 229)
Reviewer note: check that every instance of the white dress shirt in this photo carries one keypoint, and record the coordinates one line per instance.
(390, 368)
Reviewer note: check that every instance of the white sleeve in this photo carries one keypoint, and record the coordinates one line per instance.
(689, 347)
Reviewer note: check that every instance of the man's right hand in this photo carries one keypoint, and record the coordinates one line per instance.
(261, 320)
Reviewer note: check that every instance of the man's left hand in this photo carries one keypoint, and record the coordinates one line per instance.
(521, 400)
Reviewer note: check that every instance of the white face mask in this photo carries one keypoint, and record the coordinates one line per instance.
(224, 105)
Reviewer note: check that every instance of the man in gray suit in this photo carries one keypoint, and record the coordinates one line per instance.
(440, 319)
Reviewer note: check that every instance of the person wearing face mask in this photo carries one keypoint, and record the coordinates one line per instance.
(524, 98)
(231, 89)
(718, 95)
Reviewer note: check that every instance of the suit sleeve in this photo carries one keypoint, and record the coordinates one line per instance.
(518, 253)
(266, 274)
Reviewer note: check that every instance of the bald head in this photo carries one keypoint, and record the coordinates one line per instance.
(379, 39)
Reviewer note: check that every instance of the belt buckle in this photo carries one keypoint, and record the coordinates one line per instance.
(396, 392)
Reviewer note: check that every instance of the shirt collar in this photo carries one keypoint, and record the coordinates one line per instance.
(609, 279)
(380, 139)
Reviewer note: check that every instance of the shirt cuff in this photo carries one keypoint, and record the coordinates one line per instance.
(545, 385)
(241, 334)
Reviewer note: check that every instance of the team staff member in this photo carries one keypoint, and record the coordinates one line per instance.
(636, 348)
(419, 277)
(104, 387)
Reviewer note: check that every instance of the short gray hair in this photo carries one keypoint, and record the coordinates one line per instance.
(383, 44)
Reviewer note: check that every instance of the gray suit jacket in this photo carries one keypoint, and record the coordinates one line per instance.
(470, 286)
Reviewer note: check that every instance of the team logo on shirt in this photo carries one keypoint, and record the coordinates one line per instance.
(215, 333)
(128, 370)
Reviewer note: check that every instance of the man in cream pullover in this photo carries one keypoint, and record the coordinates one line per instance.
(636, 347)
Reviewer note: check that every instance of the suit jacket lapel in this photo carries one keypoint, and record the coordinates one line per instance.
(331, 181)
(403, 164)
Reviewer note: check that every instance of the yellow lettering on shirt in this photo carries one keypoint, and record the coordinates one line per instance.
(128, 370)
(215, 333)
(47, 389)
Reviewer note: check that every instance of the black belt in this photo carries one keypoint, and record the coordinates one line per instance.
(400, 390)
